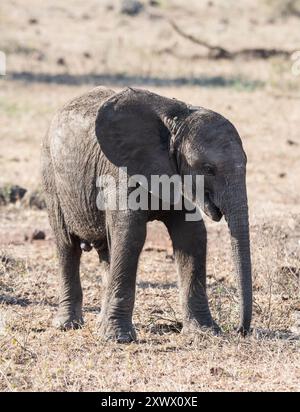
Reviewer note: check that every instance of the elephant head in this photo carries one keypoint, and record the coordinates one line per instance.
(154, 135)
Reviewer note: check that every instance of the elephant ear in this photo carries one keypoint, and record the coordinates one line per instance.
(134, 128)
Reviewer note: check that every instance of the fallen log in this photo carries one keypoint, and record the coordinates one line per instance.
(218, 52)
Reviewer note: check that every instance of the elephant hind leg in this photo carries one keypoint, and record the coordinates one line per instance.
(69, 314)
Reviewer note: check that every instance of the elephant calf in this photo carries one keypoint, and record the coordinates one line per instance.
(95, 135)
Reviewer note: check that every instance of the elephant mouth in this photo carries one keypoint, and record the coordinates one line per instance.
(210, 209)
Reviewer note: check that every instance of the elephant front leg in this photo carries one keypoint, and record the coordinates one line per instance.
(127, 232)
(189, 243)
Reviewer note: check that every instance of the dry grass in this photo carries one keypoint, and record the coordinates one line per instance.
(260, 97)
(36, 357)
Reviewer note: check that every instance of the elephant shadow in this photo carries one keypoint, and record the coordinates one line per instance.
(12, 300)
(263, 334)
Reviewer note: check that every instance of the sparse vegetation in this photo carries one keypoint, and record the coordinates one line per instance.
(285, 8)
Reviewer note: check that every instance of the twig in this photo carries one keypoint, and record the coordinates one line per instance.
(7, 381)
(218, 52)
(285, 96)
(214, 51)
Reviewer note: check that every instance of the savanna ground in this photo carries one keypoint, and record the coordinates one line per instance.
(57, 50)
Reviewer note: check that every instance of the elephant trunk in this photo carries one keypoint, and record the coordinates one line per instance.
(236, 214)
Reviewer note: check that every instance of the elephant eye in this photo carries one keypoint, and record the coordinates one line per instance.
(208, 170)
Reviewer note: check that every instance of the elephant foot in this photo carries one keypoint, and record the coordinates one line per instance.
(243, 332)
(68, 320)
(119, 332)
(192, 326)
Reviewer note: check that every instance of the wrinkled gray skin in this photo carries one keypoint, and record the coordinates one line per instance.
(102, 130)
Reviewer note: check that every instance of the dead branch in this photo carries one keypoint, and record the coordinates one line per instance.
(217, 52)
(214, 51)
